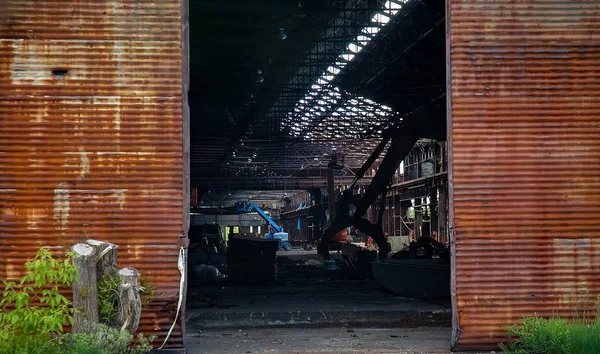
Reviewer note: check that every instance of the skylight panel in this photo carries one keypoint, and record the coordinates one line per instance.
(371, 30)
(333, 70)
(381, 18)
(354, 48)
(394, 5)
(329, 96)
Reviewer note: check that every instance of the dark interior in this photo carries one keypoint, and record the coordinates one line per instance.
(280, 91)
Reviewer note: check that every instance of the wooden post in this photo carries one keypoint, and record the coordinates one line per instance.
(85, 289)
(106, 258)
(130, 300)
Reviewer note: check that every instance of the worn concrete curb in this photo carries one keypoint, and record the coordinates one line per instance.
(378, 318)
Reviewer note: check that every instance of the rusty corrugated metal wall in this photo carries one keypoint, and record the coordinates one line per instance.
(92, 136)
(524, 112)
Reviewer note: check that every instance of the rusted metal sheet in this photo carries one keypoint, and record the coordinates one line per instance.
(524, 109)
(92, 136)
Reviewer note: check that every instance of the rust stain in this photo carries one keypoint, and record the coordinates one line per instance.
(524, 125)
(91, 135)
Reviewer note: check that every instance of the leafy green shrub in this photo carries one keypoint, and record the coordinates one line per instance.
(29, 329)
(553, 336)
(107, 340)
(104, 340)
(31, 344)
(19, 315)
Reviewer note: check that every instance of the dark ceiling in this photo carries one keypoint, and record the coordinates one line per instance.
(253, 60)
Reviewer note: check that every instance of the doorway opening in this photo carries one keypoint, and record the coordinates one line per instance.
(289, 101)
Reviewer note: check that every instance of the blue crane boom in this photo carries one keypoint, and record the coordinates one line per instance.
(249, 207)
(277, 231)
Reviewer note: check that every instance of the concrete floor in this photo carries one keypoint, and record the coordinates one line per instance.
(325, 304)
(311, 310)
(321, 340)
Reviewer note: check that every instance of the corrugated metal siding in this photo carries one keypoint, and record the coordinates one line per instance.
(98, 152)
(525, 161)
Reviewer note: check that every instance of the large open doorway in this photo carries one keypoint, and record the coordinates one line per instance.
(289, 100)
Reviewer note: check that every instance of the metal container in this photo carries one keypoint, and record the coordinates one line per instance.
(92, 136)
(524, 133)
(252, 261)
(424, 279)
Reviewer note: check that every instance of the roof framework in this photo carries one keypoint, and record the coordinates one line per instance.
(293, 83)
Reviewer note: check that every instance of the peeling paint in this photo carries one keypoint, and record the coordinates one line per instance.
(133, 153)
(10, 271)
(42, 114)
(138, 250)
(118, 120)
(97, 191)
(120, 195)
(62, 205)
(34, 217)
(85, 164)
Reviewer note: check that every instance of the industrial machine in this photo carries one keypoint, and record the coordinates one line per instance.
(401, 140)
(276, 231)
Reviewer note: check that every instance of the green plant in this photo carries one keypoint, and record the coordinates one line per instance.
(553, 336)
(26, 328)
(20, 314)
(29, 344)
(104, 340)
(107, 340)
(108, 297)
(148, 293)
(538, 335)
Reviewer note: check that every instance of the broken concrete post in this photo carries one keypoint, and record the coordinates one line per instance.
(106, 258)
(85, 289)
(130, 300)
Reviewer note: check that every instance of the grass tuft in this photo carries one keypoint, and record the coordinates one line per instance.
(553, 336)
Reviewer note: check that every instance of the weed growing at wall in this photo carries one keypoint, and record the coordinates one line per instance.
(108, 297)
(149, 292)
(553, 336)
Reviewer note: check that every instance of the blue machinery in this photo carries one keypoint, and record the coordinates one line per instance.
(276, 231)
